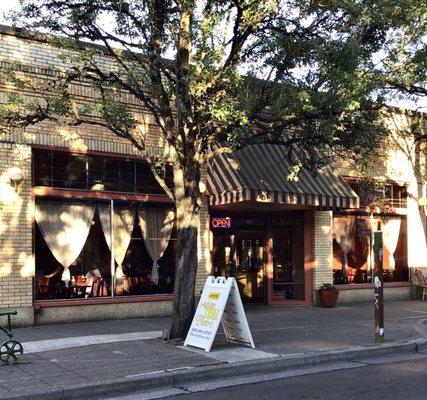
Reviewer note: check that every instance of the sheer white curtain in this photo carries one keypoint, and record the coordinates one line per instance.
(65, 228)
(391, 231)
(344, 233)
(122, 231)
(156, 226)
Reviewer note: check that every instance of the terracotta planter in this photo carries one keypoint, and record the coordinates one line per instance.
(328, 298)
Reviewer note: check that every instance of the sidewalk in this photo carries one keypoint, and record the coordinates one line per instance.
(60, 359)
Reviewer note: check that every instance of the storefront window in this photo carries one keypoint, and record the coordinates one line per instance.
(96, 177)
(127, 176)
(352, 244)
(111, 175)
(386, 195)
(76, 171)
(42, 175)
(137, 268)
(73, 257)
(59, 171)
(87, 260)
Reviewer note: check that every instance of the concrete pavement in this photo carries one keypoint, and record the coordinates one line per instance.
(116, 357)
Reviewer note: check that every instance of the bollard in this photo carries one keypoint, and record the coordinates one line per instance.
(378, 287)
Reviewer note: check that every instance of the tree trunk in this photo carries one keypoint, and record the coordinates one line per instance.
(187, 200)
(185, 268)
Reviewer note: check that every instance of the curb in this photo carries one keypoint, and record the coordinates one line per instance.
(421, 345)
(178, 378)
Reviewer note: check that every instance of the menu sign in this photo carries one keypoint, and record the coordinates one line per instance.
(220, 302)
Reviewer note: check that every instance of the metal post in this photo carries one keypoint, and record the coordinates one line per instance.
(378, 287)
(112, 266)
(371, 247)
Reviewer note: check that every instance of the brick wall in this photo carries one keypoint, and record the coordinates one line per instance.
(323, 256)
(417, 245)
(42, 61)
(16, 210)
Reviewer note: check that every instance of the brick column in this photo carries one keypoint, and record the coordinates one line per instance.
(16, 217)
(323, 253)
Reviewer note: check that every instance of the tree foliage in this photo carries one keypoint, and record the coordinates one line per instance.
(304, 73)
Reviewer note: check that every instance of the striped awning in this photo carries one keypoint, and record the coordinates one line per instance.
(259, 173)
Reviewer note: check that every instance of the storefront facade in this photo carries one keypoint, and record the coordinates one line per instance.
(267, 241)
(87, 233)
(84, 253)
(283, 240)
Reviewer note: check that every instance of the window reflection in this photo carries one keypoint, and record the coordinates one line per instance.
(91, 272)
(395, 265)
(137, 267)
(76, 171)
(251, 255)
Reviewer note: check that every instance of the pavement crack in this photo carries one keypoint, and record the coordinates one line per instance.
(37, 378)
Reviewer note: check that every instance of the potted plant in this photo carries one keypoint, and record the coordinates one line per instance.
(328, 295)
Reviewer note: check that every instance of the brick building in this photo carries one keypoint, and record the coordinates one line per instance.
(280, 239)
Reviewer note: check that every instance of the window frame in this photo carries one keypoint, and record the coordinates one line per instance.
(388, 187)
(113, 297)
(152, 187)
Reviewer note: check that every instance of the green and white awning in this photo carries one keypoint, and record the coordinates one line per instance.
(258, 174)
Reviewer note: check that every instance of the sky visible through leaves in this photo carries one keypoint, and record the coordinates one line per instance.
(8, 5)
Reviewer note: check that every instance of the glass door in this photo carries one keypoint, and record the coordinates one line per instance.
(241, 255)
(250, 265)
(288, 270)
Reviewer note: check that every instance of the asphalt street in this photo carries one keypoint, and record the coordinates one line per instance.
(396, 379)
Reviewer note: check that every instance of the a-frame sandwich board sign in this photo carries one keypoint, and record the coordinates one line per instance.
(220, 301)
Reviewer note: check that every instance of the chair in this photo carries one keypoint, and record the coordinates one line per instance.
(44, 287)
(339, 277)
(358, 276)
(421, 282)
(99, 288)
(81, 286)
(81, 280)
(136, 284)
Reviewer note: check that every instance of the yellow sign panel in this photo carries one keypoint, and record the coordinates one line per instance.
(214, 295)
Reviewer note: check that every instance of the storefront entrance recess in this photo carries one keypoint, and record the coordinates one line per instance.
(288, 265)
(240, 251)
(242, 255)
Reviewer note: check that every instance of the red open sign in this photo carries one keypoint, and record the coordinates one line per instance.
(222, 222)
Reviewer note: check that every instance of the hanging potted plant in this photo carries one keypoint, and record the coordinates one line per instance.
(328, 295)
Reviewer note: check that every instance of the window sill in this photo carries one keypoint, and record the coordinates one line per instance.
(355, 286)
(45, 191)
(101, 300)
